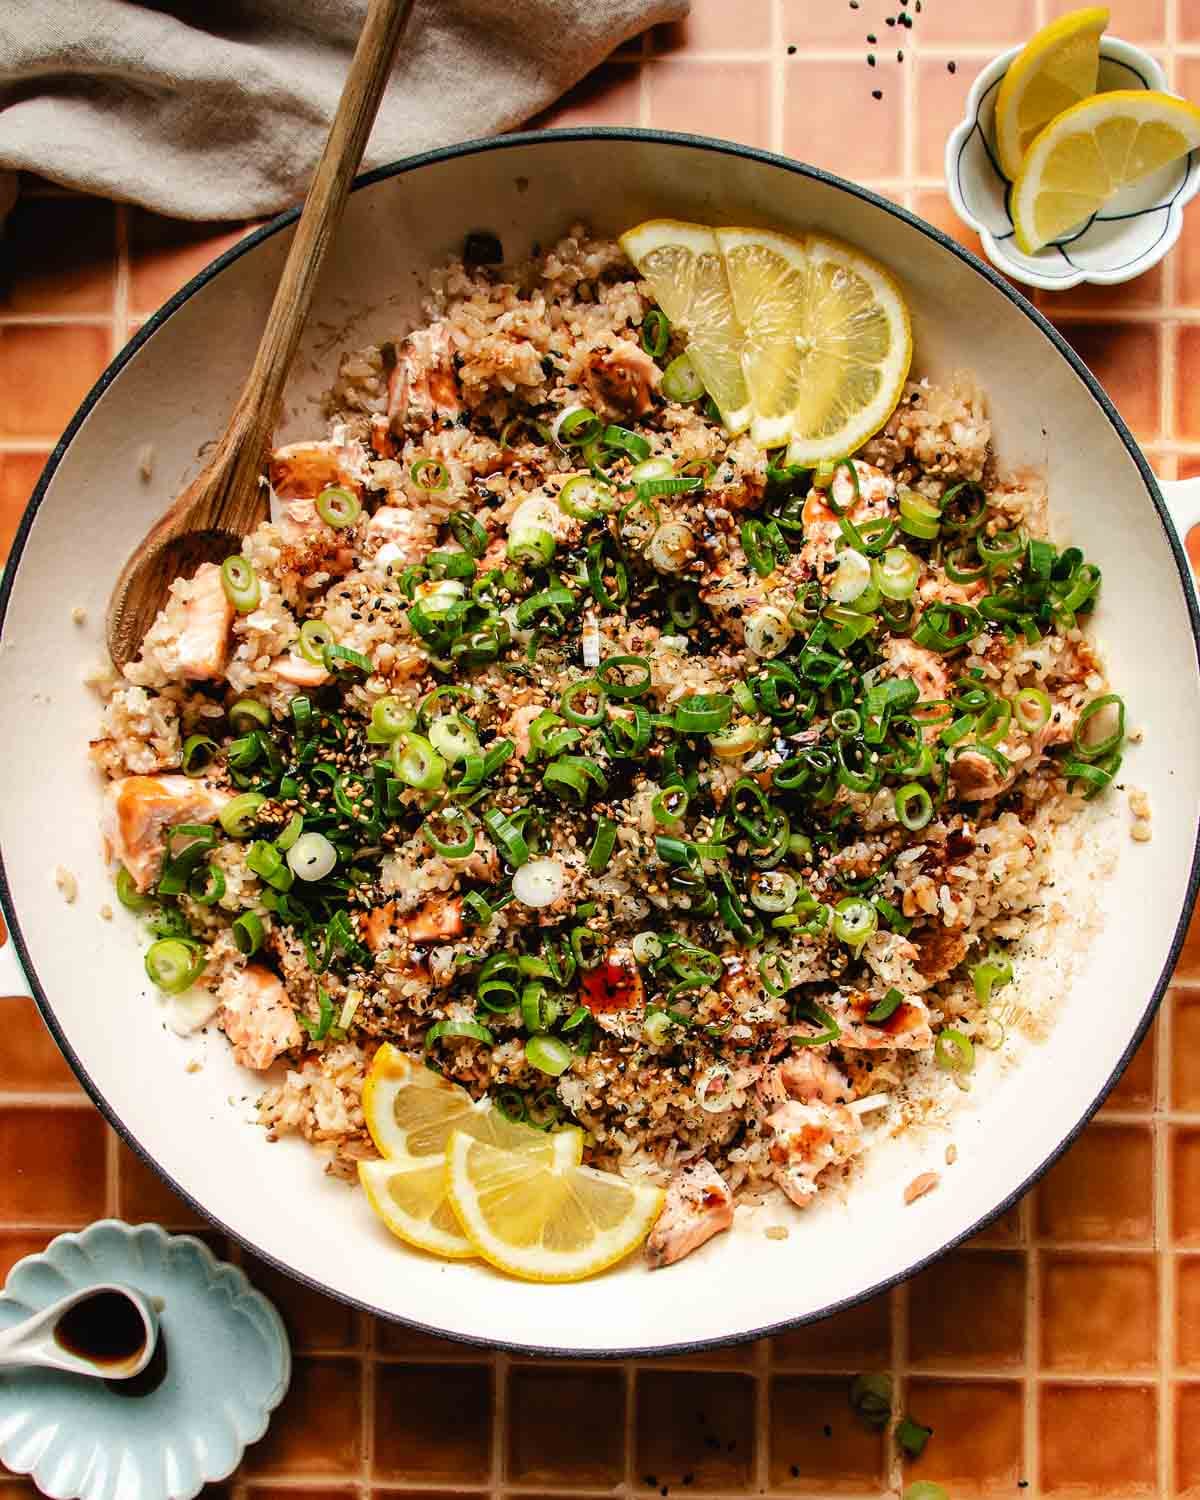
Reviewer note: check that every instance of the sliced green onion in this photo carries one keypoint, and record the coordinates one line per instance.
(334, 656)
(954, 1051)
(507, 837)
(248, 933)
(703, 713)
(575, 426)
(914, 806)
(247, 714)
(589, 687)
(647, 946)
(198, 754)
(992, 974)
(532, 545)
(884, 1009)
(774, 891)
(616, 686)
(174, 965)
(1032, 709)
(680, 381)
(656, 333)
(416, 762)
(895, 574)
(238, 816)
(625, 441)
(912, 1437)
(585, 498)
(241, 585)
(467, 532)
(128, 894)
(207, 886)
(453, 737)
(440, 828)
(854, 921)
(391, 718)
(456, 1029)
(548, 1055)
(573, 777)
(268, 864)
(429, 474)
(651, 468)
(919, 517)
(1089, 750)
(767, 631)
(871, 1399)
(602, 845)
(338, 506)
(315, 637)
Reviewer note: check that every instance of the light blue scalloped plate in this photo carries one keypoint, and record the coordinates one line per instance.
(228, 1364)
(1130, 235)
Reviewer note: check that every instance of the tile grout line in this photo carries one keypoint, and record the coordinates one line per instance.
(1031, 1393)
(630, 1426)
(762, 1415)
(1164, 1262)
(898, 1318)
(644, 54)
(369, 1394)
(778, 65)
(500, 1364)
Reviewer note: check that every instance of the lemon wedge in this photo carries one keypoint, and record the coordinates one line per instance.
(682, 263)
(1055, 69)
(543, 1220)
(827, 340)
(410, 1196)
(1090, 152)
(411, 1112)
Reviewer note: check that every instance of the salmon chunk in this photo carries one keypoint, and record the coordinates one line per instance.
(978, 779)
(907, 1028)
(698, 1205)
(623, 380)
(439, 920)
(809, 1077)
(257, 1016)
(807, 1140)
(138, 811)
(292, 667)
(822, 534)
(403, 536)
(202, 649)
(423, 385)
(300, 471)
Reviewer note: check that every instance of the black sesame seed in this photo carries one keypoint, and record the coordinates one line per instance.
(889, 20)
(791, 51)
(853, 4)
(872, 38)
(899, 56)
(876, 93)
(870, 59)
(795, 1471)
(952, 67)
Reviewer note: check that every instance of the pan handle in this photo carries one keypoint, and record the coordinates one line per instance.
(12, 976)
(1182, 498)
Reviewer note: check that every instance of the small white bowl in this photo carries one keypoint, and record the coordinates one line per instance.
(1133, 232)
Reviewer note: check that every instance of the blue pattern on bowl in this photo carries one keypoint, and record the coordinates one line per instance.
(1125, 239)
(228, 1364)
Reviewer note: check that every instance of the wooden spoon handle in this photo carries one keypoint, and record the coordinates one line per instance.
(257, 411)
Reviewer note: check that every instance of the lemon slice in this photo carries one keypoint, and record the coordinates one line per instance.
(410, 1195)
(411, 1111)
(544, 1221)
(1054, 70)
(683, 265)
(828, 343)
(1090, 152)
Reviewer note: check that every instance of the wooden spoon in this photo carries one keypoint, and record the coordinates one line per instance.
(226, 500)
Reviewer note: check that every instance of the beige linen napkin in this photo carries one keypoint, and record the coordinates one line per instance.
(217, 109)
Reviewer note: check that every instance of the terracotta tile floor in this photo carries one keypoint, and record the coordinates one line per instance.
(1060, 1354)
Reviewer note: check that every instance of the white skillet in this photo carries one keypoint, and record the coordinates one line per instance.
(171, 388)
